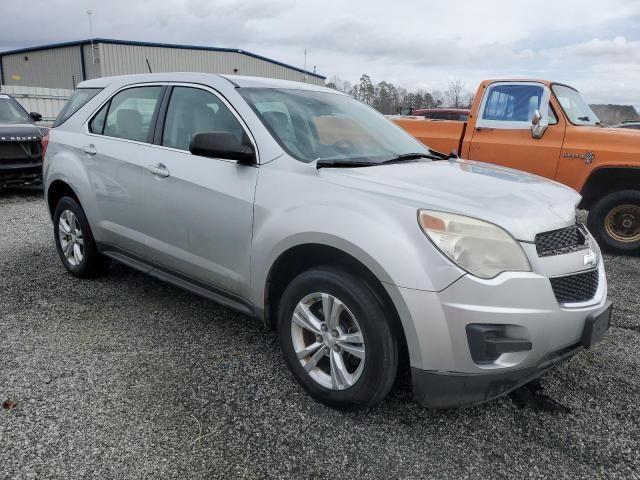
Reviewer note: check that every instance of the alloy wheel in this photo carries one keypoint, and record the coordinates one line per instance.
(328, 341)
(71, 238)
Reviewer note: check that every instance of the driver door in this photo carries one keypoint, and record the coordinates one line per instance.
(503, 129)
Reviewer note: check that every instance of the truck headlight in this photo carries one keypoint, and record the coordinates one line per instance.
(481, 248)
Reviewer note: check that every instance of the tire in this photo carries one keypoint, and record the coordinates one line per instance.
(362, 337)
(78, 238)
(609, 216)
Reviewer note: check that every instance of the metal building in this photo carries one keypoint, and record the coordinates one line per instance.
(64, 65)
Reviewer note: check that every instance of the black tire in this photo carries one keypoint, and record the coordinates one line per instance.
(597, 221)
(93, 263)
(381, 345)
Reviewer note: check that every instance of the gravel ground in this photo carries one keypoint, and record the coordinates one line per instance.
(126, 377)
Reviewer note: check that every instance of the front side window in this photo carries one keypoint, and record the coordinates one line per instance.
(193, 110)
(12, 112)
(312, 125)
(574, 106)
(78, 99)
(512, 103)
(130, 113)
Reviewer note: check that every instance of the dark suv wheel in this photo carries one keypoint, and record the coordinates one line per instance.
(74, 240)
(615, 221)
(336, 338)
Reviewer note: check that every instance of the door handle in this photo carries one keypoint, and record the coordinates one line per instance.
(89, 149)
(159, 169)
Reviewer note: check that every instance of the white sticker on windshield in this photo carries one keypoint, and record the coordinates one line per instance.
(4, 96)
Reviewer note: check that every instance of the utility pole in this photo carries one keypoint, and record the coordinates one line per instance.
(93, 56)
(305, 65)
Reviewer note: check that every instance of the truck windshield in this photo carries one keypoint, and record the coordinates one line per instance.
(576, 109)
(312, 125)
(11, 112)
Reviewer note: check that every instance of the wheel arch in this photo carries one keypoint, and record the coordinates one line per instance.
(302, 257)
(56, 190)
(606, 180)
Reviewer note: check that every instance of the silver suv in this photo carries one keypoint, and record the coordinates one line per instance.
(298, 205)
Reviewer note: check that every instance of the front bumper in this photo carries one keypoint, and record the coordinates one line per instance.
(444, 371)
(447, 389)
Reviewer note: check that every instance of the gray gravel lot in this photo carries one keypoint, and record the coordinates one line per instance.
(126, 377)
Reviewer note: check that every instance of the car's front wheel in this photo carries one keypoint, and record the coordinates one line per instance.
(615, 221)
(337, 339)
(74, 240)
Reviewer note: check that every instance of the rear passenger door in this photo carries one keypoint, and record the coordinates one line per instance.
(117, 154)
(200, 215)
(503, 129)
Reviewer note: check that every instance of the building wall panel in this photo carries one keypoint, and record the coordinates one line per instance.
(127, 59)
(53, 68)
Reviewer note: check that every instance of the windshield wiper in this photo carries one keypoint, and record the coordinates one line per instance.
(327, 162)
(432, 155)
(405, 157)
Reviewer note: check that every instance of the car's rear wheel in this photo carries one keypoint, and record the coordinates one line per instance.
(336, 338)
(74, 240)
(615, 221)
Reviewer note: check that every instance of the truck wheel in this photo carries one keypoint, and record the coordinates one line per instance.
(336, 339)
(615, 222)
(74, 240)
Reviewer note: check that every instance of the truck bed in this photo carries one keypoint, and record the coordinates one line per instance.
(441, 135)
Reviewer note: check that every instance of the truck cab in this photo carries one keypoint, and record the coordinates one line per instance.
(546, 128)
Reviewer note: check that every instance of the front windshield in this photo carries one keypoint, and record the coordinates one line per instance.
(11, 112)
(312, 125)
(576, 109)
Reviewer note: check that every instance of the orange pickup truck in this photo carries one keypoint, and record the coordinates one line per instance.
(546, 128)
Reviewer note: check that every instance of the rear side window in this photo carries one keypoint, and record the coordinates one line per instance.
(97, 123)
(129, 114)
(77, 100)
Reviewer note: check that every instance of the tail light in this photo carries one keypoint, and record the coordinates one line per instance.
(44, 142)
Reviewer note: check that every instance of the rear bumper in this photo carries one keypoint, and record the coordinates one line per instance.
(450, 389)
(20, 172)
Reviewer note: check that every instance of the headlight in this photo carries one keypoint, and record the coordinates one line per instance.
(481, 248)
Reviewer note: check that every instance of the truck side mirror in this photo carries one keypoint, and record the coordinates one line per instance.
(538, 127)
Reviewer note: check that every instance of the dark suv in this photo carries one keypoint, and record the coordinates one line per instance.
(20, 148)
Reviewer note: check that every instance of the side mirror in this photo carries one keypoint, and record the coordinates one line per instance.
(35, 116)
(222, 145)
(538, 127)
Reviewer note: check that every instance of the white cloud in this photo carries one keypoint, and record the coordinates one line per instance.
(593, 44)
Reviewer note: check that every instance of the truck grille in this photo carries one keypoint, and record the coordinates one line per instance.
(580, 287)
(24, 152)
(564, 240)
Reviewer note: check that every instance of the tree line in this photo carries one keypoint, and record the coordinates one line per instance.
(390, 99)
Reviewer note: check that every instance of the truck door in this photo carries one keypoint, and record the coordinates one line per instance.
(502, 133)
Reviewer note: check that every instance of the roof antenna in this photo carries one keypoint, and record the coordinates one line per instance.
(148, 65)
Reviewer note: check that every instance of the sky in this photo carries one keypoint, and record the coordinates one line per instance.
(593, 45)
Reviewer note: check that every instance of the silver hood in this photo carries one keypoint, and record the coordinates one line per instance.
(521, 203)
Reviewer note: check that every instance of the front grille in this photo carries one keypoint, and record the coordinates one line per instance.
(564, 240)
(24, 152)
(580, 287)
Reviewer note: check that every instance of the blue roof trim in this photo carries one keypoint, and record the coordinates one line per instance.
(160, 45)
